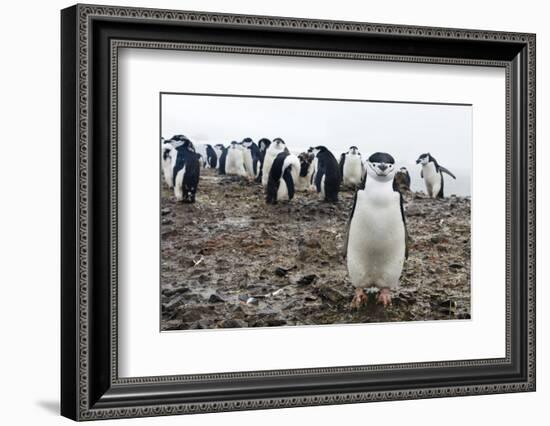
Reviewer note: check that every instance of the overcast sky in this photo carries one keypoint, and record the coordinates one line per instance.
(404, 130)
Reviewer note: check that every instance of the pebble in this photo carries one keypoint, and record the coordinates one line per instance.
(214, 298)
(307, 279)
(232, 323)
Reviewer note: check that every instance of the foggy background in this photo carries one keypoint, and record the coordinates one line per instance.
(404, 130)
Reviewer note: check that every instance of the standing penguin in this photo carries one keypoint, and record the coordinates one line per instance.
(167, 152)
(326, 177)
(275, 148)
(282, 177)
(185, 172)
(351, 167)
(251, 155)
(211, 156)
(306, 170)
(234, 163)
(263, 144)
(402, 180)
(376, 241)
(208, 154)
(221, 151)
(432, 173)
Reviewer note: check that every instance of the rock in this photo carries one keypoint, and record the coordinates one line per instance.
(446, 307)
(165, 211)
(456, 266)
(331, 294)
(436, 238)
(307, 279)
(171, 325)
(169, 233)
(275, 322)
(167, 221)
(214, 298)
(277, 292)
(200, 325)
(290, 305)
(252, 301)
(175, 290)
(173, 303)
(243, 298)
(281, 272)
(191, 313)
(232, 323)
(415, 211)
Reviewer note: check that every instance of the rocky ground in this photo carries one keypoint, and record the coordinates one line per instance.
(230, 260)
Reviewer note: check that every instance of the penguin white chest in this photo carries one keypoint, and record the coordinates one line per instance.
(353, 170)
(376, 243)
(235, 163)
(248, 163)
(270, 156)
(167, 167)
(432, 179)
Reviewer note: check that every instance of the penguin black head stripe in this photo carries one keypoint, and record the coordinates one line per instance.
(321, 148)
(432, 173)
(380, 165)
(263, 144)
(425, 159)
(381, 157)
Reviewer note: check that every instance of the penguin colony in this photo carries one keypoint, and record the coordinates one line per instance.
(376, 244)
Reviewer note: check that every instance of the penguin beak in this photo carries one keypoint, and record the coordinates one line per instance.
(382, 167)
(418, 161)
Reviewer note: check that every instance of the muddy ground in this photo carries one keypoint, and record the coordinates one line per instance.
(230, 260)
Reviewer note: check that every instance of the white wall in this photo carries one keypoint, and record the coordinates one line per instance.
(29, 225)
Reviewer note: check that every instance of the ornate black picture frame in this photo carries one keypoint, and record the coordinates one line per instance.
(91, 36)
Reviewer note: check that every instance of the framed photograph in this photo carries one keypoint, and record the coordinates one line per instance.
(263, 212)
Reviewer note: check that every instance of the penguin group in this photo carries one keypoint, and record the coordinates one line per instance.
(268, 162)
(376, 242)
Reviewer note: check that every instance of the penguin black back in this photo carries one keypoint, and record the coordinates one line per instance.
(275, 175)
(211, 156)
(223, 156)
(327, 168)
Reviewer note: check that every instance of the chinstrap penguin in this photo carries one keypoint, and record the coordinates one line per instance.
(263, 144)
(185, 172)
(402, 180)
(376, 240)
(167, 153)
(275, 148)
(432, 173)
(282, 177)
(234, 162)
(326, 176)
(306, 170)
(222, 156)
(251, 156)
(351, 167)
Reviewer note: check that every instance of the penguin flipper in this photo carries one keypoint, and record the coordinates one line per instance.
(444, 170)
(404, 223)
(342, 160)
(422, 174)
(346, 236)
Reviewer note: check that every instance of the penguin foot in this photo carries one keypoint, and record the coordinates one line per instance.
(384, 297)
(359, 299)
